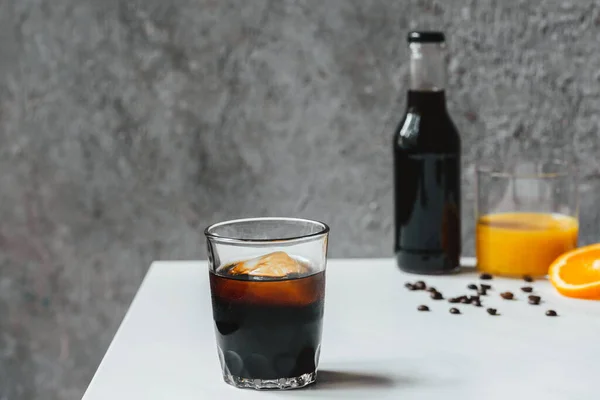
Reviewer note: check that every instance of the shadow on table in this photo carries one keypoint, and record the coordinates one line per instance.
(329, 379)
(351, 384)
(466, 270)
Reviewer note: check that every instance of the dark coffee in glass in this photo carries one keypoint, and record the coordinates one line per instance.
(268, 329)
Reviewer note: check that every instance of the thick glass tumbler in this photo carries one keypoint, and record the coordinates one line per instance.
(267, 280)
(526, 216)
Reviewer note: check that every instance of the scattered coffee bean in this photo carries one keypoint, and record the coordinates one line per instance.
(420, 285)
(551, 313)
(527, 278)
(534, 297)
(408, 285)
(534, 300)
(476, 303)
(485, 277)
(485, 286)
(453, 300)
(431, 289)
(474, 298)
(465, 300)
(436, 296)
(423, 308)
(492, 311)
(527, 289)
(482, 292)
(454, 311)
(472, 286)
(507, 295)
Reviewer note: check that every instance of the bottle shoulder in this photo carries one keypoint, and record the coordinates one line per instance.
(434, 132)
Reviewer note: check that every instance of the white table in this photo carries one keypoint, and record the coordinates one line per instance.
(376, 345)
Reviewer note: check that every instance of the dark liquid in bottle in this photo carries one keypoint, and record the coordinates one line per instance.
(268, 329)
(427, 186)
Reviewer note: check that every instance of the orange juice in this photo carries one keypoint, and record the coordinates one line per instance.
(517, 244)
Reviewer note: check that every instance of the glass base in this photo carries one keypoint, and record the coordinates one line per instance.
(282, 383)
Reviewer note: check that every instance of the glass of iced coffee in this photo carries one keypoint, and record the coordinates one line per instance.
(267, 280)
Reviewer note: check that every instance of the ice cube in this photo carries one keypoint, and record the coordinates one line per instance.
(273, 265)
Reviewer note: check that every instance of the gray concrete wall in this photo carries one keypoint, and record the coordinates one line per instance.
(126, 126)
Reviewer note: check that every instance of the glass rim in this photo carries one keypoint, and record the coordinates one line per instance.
(563, 169)
(324, 230)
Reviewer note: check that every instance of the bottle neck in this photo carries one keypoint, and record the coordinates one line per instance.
(427, 67)
(426, 102)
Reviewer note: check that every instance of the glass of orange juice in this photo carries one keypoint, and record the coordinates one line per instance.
(527, 215)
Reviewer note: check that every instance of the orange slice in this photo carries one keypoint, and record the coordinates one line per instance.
(577, 273)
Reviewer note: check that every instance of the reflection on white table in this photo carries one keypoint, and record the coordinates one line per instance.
(376, 345)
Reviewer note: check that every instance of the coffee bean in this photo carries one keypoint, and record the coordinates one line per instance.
(534, 297)
(453, 300)
(534, 302)
(465, 300)
(507, 295)
(474, 298)
(527, 289)
(423, 308)
(482, 292)
(527, 278)
(476, 303)
(431, 289)
(454, 311)
(551, 313)
(472, 286)
(492, 311)
(485, 286)
(420, 285)
(436, 296)
(485, 277)
(409, 286)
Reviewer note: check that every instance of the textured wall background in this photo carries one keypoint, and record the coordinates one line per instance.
(127, 126)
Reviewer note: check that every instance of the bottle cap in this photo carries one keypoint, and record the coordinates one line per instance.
(426, 37)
